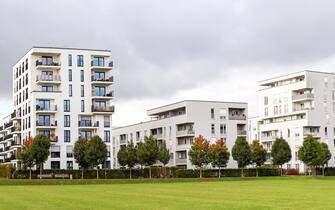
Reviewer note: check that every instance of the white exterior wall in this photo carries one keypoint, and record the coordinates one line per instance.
(198, 114)
(61, 93)
(316, 111)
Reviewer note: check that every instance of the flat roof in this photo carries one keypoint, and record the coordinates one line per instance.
(69, 48)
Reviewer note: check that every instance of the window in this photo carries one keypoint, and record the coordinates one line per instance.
(70, 75)
(86, 134)
(46, 60)
(82, 106)
(82, 75)
(222, 129)
(66, 105)
(212, 113)
(266, 100)
(69, 151)
(43, 104)
(80, 60)
(107, 136)
(98, 61)
(67, 136)
(55, 152)
(45, 88)
(82, 93)
(67, 121)
(106, 121)
(266, 112)
(69, 60)
(70, 90)
(223, 114)
(69, 165)
(55, 165)
(326, 131)
(43, 120)
(288, 133)
(99, 76)
(213, 129)
(99, 91)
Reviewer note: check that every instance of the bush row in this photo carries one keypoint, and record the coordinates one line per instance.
(157, 172)
(6, 170)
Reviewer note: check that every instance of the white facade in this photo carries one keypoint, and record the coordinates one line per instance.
(253, 129)
(296, 105)
(177, 124)
(63, 93)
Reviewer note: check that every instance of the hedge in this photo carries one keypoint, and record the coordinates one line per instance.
(6, 170)
(157, 172)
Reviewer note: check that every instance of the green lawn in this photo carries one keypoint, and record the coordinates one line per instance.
(251, 193)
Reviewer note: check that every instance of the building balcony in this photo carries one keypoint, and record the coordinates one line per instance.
(102, 81)
(8, 125)
(8, 137)
(16, 130)
(241, 132)
(49, 79)
(88, 124)
(102, 109)
(268, 138)
(157, 136)
(50, 109)
(108, 95)
(47, 65)
(185, 133)
(183, 147)
(303, 97)
(46, 125)
(237, 117)
(181, 161)
(99, 65)
(123, 141)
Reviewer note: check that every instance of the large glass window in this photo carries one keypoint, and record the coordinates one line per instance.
(70, 60)
(82, 106)
(43, 120)
(67, 136)
(99, 91)
(99, 75)
(46, 60)
(98, 61)
(47, 88)
(82, 75)
(70, 90)
(107, 136)
(80, 60)
(86, 134)
(67, 121)
(70, 75)
(66, 105)
(82, 91)
(43, 104)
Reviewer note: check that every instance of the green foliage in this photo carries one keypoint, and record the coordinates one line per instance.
(324, 155)
(198, 153)
(147, 152)
(131, 155)
(79, 152)
(6, 170)
(258, 153)
(122, 156)
(281, 152)
(96, 151)
(310, 151)
(218, 154)
(40, 149)
(163, 154)
(25, 156)
(241, 152)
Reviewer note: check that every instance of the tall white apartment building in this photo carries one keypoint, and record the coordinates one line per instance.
(62, 93)
(179, 123)
(294, 106)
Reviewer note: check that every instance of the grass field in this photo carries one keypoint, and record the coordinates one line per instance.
(230, 193)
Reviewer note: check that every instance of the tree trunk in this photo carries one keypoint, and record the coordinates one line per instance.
(281, 170)
(323, 170)
(129, 172)
(200, 173)
(29, 172)
(149, 172)
(41, 165)
(242, 174)
(219, 172)
(256, 171)
(97, 172)
(82, 173)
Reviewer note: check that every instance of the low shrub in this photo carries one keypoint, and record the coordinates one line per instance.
(292, 171)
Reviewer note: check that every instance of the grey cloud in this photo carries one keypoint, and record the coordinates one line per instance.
(161, 47)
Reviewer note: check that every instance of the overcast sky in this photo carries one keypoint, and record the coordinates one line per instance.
(165, 51)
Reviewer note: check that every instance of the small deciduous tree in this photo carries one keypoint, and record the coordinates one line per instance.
(96, 152)
(324, 156)
(310, 153)
(131, 157)
(147, 152)
(163, 155)
(258, 154)
(241, 152)
(280, 153)
(122, 156)
(40, 150)
(198, 153)
(79, 153)
(26, 158)
(219, 155)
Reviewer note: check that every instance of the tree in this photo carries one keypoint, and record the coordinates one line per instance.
(219, 155)
(79, 153)
(241, 152)
(324, 156)
(147, 152)
(131, 157)
(258, 154)
(310, 152)
(280, 153)
(40, 150)
(198, 153)
(26, 157)
(163, 155)
(122, 156)
(96, 152)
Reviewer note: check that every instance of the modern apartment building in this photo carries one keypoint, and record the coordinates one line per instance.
(294, 106)
(179, 123)
(62, 93)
